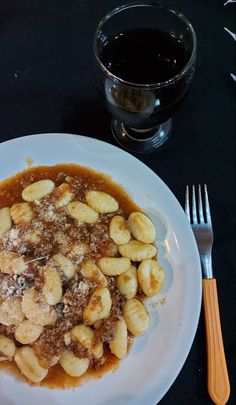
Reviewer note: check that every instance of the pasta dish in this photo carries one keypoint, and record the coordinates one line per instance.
(77, 259)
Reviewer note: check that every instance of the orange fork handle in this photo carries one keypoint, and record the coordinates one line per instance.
(217, 374)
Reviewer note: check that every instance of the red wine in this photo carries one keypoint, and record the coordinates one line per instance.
(144, 56)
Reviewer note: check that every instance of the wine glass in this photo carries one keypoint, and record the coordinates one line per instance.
(145, 56)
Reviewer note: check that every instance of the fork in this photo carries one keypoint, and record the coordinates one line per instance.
(199, 216)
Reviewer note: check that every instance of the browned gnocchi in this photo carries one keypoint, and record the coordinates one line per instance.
(151, 277)
(91, 271)
(64, 195)
(77, 259)
(98, 307)
(127, 283)
(21, 213)
(86, 337)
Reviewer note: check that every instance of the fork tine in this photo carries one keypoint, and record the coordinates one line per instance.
(200, 208)
(207, 205)
(187, 210)
(194, 208)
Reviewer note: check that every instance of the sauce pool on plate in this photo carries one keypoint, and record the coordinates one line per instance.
(87, 179)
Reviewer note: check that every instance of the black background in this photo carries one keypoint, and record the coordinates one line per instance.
(47, 85)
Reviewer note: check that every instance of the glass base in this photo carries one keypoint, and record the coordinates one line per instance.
(141, 141)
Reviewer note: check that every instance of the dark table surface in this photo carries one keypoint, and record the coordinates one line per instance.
(47, 85)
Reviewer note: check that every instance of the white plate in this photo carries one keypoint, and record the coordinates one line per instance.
(156, 358)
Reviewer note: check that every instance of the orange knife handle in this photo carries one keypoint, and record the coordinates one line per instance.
(217, 374)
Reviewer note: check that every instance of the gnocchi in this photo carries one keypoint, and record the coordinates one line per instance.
(85, 336)
(27, 332)
(137, 251)
(82, 212)
(113, 266)
(91, 272)
(73, 365)
(136, 317)
(11, 312)
(46, 363)
(36, 309)
(119, 231)
(34, 236)
(98, 307)
(52, 287)
(151, 277)
(119, 345)
(29, 365)
(127, 283)
(5, 221)
(77, 249)
(37, 190)
(65, 265)
(64, 195)
(141, 227)
(21, 213)
(97, 350)
(101, 202)
(7, 348)
(12, 263)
